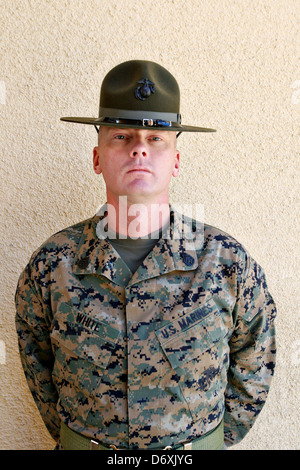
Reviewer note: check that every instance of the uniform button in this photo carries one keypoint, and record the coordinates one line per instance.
(83, 262)
(188, 259)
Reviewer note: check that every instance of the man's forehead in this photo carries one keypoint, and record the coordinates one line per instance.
(106, 130)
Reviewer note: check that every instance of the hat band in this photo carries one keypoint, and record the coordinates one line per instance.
(138, 122)
(138, 115)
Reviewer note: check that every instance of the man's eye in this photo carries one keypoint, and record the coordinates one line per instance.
(156, 138)
(120, 137)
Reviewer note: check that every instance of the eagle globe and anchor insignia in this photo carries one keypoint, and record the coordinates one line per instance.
(144, 90)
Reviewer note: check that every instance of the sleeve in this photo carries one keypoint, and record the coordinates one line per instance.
(252, 354)
(33, 330)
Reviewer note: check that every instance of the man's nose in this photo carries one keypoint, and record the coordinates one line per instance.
(138, 149)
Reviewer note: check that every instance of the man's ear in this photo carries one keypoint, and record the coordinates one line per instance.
(176, 164)
(96, 161)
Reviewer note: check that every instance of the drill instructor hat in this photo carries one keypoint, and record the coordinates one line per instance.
(139, 94)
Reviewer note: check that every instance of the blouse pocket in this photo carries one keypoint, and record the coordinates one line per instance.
(82, 352)
(197, 351)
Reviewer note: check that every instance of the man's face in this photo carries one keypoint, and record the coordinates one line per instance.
(136, 163)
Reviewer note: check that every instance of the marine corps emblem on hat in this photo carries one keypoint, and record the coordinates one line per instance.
(139, 94)
(144, 90)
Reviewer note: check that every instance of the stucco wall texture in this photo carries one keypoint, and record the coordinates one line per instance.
(235, 61)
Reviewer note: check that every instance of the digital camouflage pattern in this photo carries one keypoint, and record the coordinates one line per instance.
(150, 359)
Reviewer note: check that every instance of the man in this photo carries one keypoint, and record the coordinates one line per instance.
(141, 328)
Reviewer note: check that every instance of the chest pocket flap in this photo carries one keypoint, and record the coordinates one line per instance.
(191, 335)
(91, 340)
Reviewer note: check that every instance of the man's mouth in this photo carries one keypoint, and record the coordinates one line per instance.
(138, 169)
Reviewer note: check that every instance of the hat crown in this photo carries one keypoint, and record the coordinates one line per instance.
(139, 94)
(140, 85)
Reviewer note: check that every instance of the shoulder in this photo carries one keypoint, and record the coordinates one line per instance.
(215, 236)
(207, 236)
(208, 240)
(232, 253)
(216, 248)
(61, 244)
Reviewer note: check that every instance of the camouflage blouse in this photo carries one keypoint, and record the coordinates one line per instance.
(149, 359)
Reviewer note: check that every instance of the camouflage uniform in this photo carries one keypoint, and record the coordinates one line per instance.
(150, 359)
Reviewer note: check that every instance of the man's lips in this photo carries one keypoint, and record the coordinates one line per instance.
(138, 168)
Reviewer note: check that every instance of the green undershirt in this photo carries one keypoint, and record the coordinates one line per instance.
(134, 251)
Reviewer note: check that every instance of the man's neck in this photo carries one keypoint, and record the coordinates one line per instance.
(135, 220)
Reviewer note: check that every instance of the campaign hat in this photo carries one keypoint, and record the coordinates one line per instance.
(139, 94)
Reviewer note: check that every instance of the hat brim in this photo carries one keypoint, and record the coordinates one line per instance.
(97, 122)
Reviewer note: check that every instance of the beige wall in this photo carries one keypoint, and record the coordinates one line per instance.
(235, 61)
